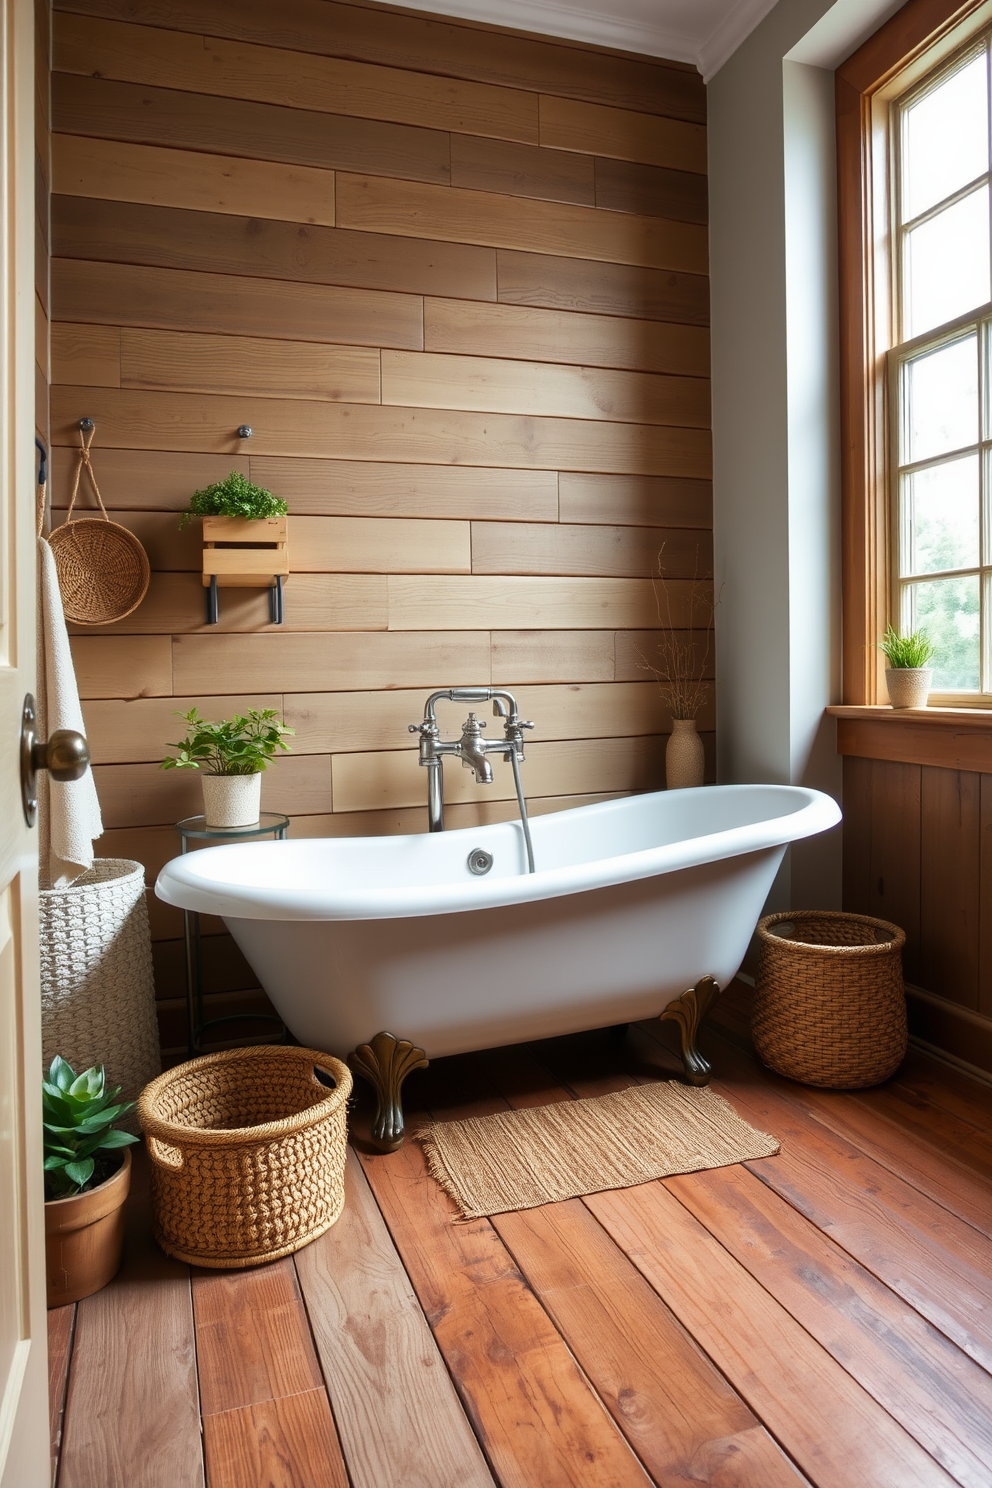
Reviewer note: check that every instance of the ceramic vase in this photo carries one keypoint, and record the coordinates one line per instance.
(231, 800)
(684, 755)
(84, 1238)
(908, 687)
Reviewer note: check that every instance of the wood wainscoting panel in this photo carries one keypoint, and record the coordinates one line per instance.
(537, 603)
(414, 210)
(607, 552)
(521, 170)
(432, 44)
(176, 361)
(475, 328)
(186, 421)
(597, 288)
(116, 171)
(91, 106)
(123, 666)
(231, 305)
(360, 488)
(269, 74)
(634, 501)
(219, 243)
(498, 385)
(454, 278)
(949, 913)
(623, 134)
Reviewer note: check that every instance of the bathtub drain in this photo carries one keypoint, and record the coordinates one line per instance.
(479, 861)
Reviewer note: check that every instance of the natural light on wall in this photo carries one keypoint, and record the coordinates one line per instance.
(941, 370)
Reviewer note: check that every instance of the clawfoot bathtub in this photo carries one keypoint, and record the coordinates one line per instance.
(637, 907)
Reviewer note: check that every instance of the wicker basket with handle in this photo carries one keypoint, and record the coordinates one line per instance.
(103, 570)
(248, 1153)
(829, 1004)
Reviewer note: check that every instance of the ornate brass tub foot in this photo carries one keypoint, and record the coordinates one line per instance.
(688, 1012)
(385, 1062)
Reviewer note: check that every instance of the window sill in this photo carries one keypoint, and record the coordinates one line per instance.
(950, 738)
(978, 718)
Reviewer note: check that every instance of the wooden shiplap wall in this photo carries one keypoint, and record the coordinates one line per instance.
(456, 281)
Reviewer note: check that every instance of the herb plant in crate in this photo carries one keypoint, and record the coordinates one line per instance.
(87, 1176)
(232, 755)
(908, 674)
(245, 538)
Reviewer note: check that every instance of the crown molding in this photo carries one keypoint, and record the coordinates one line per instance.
(734, 29)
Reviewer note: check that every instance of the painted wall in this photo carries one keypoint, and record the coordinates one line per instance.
(456, 282)
(774, 346)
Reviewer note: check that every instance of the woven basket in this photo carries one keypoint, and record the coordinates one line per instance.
(103, 570)
(97, 988)
(248, 1151)
(829, 1004)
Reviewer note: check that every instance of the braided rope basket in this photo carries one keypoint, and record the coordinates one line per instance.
(248, 1153)
(829, 1002)
(97, 986)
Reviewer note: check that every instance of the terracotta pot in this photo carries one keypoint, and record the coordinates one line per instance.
(84, 1237)
(684, 760)
(909, 687)
(232, 800)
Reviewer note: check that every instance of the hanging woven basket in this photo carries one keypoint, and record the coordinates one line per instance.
(102, 568)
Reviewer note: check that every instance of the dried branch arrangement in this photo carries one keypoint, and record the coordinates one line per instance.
(684, 651)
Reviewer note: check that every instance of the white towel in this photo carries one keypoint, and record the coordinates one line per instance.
(68, 811)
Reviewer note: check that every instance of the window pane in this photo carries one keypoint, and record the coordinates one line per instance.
(947, 609)
(946, 265)
(940, 509)
(941, 390)
(945, 139)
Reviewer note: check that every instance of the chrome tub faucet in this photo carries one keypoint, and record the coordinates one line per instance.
(472, 749)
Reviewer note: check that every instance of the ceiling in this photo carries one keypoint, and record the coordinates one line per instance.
(702, 32)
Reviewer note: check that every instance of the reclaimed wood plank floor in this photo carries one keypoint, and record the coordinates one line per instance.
(820, 1318)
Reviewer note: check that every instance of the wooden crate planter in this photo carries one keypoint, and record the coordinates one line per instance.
(240, 553)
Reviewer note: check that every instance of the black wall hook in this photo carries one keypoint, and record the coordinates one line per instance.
(43, 462)
(86, 424)
(244, 431)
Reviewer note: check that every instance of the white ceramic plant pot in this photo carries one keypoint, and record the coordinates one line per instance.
(908, 687)
(684, 760)
(231, 800)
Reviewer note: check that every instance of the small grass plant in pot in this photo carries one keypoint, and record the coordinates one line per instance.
(908, 675)
(231, 755)
(87, 1177)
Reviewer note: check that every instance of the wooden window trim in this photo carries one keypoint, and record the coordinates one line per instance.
(862, 85)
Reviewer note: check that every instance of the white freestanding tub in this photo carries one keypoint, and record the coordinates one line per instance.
(633, 902)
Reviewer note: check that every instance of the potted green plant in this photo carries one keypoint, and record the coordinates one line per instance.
(232, 755)
(236, 498)
(245, 540)
(908, 674)
(87, 1177)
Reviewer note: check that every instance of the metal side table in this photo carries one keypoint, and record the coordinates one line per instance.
(195, 829)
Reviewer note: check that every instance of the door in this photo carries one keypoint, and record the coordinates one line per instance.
(24, 1452)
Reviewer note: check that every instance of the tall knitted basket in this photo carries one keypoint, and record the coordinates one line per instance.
(829, 1002)
(248, 1152)
(97, 987)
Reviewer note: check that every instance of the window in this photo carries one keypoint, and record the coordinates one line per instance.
(940, 395)
(913, 196)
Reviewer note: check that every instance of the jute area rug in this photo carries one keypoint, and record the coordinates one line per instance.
(520, 1159)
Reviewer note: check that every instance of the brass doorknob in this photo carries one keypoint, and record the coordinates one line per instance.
(65, 754)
